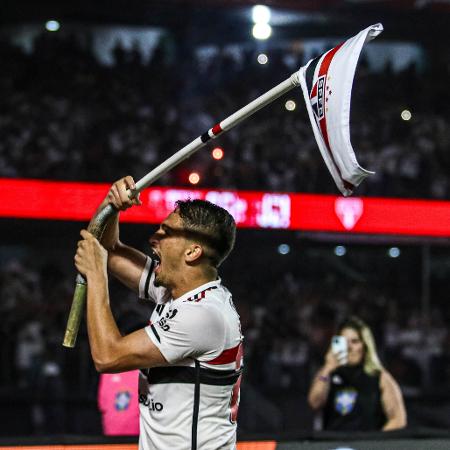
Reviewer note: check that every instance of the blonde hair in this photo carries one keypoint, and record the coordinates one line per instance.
(372, 364)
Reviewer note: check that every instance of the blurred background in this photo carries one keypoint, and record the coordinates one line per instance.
(92, 91)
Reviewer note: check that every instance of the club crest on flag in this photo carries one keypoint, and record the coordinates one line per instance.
(317, 98)
(344, 401)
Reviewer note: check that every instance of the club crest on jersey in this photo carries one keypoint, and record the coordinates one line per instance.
(344, 401)
(317, 97)
(122, 400)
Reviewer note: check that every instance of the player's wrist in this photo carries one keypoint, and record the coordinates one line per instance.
(96, 277)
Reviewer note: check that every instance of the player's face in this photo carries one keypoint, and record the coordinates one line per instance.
(355, 346)
(169, 243)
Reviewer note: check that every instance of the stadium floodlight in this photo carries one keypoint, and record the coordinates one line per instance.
(406, 115)
(290, 105)
(262, 59)
(261, 14)
(394, 252)
(340, 250)
(284, 249)
(262, 31)
(52, 25)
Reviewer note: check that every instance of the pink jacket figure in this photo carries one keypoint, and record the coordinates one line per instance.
(118, 403)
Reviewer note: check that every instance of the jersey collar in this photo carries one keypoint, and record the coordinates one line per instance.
(198, 290)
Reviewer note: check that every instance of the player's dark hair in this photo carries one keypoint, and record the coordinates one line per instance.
(210, 224)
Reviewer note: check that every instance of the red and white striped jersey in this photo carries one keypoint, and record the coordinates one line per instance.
(191, 403)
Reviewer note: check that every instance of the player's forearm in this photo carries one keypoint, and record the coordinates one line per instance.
(110, 236)
(102, 329)
(126, 264)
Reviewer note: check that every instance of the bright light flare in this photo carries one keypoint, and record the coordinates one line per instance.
(217, 153)
(261, 14)
(262, 31)
(394, 252)
(194, 178)
(406, 115)
(52, 25)
(284, 249)
(262, 58)
(340, 250)
(290, 105)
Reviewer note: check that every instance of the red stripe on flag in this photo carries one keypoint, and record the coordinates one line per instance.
(323, 70)
(327, 60)
(226, 357)
(216, 129)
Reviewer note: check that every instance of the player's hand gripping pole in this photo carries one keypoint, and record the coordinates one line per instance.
(98, 224)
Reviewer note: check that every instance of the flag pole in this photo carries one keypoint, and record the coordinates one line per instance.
(225, 125)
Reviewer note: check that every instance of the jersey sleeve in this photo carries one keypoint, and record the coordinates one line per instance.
(147, 289)
(189, 331)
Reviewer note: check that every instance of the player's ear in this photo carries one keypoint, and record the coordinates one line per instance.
(193, 252)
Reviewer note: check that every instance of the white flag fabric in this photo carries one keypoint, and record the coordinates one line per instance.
(327, 83)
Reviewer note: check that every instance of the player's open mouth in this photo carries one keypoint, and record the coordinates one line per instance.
(157, 258)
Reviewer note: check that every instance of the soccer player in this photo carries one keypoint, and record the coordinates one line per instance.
(190, 354)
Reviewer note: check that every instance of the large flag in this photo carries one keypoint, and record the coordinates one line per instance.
(327, 83)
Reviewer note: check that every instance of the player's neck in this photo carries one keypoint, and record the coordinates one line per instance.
(192, 280)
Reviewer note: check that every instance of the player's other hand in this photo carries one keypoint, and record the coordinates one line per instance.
(91, 258)
(120, 192)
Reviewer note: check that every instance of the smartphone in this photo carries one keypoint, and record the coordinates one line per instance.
(339, 347)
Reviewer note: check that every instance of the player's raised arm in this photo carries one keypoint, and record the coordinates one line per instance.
(124, 262)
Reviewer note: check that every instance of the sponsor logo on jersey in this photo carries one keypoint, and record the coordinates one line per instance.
(344, 401)
(163, 321)
(122, 400)
(150, 403)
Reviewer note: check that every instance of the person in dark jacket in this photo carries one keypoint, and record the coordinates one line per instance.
(353, 390)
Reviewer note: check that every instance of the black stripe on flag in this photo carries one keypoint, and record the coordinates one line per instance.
(309, 75)
(152, 327)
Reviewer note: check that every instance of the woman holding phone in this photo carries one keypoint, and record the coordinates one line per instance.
(352, 388)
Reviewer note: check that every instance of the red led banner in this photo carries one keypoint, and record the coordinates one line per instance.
(33, 199)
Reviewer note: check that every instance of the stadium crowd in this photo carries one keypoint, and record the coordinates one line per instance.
(287, 330)
(65, 116)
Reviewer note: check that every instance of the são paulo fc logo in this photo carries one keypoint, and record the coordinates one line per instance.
(122, 400)
(349, 210)
(317, 97)
(345, 400)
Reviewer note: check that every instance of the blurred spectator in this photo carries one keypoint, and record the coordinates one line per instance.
(353, 389)
(118, 403)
